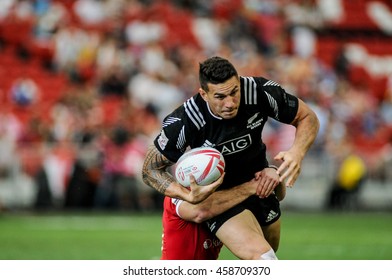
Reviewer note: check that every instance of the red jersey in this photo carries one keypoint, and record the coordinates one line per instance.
(183, 240)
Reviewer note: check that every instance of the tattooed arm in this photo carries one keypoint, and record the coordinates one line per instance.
(155, 175)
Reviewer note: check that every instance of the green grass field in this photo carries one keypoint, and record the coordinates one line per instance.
(315, 236)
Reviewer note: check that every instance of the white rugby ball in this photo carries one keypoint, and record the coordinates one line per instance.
(205, 164)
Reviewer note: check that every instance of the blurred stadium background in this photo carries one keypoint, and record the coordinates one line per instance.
(84, 85)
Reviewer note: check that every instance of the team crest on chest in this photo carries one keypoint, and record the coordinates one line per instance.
(253, 122)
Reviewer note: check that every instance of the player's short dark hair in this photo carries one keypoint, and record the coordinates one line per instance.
(215, 70)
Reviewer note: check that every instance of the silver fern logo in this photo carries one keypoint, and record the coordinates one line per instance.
(252, 123)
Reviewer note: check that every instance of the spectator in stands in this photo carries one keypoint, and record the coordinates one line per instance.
(145, 30)
(25, 91)
(112, 54)
(85, 174)
(53, 177)
(50, 16)
(346, 186)
(16, 188)
(152, 85)
(5, 8)
(74, 48)
(117, 188)
(90, 12)
(386, 105)
(113, 82)
(10, 131)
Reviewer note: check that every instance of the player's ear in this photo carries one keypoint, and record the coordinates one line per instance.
(203, 94)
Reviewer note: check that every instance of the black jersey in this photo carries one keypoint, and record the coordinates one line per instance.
(239, 139)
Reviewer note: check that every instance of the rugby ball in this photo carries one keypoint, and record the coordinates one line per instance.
(205, 164)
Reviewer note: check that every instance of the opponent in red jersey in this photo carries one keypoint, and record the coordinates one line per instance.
(186, 237)
(183, 240)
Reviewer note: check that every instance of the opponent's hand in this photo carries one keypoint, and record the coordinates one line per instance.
(290, 168)
(267, 179)
(199, 193)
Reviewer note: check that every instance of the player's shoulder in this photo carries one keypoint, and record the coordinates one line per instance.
(194, 111)
(249, 82)
(256, 89)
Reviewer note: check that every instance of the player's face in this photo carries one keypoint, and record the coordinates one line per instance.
(223, 99)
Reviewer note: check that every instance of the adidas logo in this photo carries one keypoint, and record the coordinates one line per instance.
(271, 215)
(208, 144)
(211, 226)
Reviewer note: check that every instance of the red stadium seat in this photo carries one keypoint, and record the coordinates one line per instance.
(16, 32)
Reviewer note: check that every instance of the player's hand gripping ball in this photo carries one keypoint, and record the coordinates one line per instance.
(205, 164)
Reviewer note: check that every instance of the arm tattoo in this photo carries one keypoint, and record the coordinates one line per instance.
(154, 170)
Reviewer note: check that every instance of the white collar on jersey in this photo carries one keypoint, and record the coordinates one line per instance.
(212, 114)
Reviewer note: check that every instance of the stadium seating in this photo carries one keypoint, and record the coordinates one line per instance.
(357, 27)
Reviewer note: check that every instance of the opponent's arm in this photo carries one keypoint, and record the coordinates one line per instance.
(269, 182)
(156, 175)
(307, 126)
(216, 203)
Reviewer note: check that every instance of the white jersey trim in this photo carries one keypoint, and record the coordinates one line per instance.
(181, 139)
(170, 121)
(271, 83)
(250, 90)
(212, 114)
(177, 202)
(273, 104)
(193, 112)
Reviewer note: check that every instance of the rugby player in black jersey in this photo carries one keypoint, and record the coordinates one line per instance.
(229, 114)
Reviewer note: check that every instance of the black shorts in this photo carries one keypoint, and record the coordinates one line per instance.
(266, 211)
